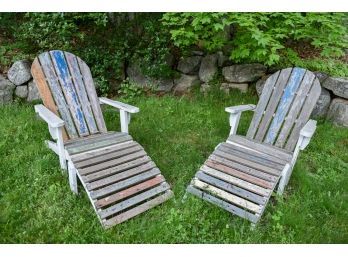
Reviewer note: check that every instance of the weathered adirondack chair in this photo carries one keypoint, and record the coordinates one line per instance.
(120, 179)
(241, 174)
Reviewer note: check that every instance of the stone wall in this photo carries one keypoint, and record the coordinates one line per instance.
(18, 84)
(197, 70)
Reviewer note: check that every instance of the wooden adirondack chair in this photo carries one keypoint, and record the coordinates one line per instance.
(120, 179)
(241, 174)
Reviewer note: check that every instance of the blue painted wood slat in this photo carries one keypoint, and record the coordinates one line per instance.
(81, 91)
(285, 102)
(69, 91)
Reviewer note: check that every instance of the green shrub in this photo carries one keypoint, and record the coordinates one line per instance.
(259, 37)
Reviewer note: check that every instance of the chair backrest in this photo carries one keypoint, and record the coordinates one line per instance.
(285, 105)
(66, 87)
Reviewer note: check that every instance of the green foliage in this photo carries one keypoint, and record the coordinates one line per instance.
(259, 37)
(40, 205)
(129, 90)
(330, 66)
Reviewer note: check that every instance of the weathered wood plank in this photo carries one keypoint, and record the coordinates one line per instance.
(98, 144)
(255, 153)
(124, 184)
(133, 200)
(138, 210)
(222, 204)
(107, 157)
(111, 163)
(250, 157)
(101, 151)
(265, 148)
(230, 188)
(295, 108)
(93, 138)
(243, 168)
(236, 181)
(273, 103)
(57, 93)
(239, 174)
(119, 176)
(92, 95)
(115, 169)
(81, 91)
(284, 105)
(45, 91)
(129, 192)
(261, 106)
(69, 91)
(248, 163)
(307, 109)
(226, 196)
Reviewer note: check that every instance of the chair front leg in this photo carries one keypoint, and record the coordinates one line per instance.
(234, 121)
(57, 134)
(72, 177)
(125, 119)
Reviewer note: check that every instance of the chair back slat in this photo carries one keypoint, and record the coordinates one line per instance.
(285, 105)
(63, 88)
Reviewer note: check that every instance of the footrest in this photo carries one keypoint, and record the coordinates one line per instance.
(237, 179)
(120, 179)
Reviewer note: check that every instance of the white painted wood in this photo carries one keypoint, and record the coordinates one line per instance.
(124, 120)
(55, 126)
(61, 150)
(235, 113)
(309, 129)
(234, 121)
(119, 105)
(284, 178)
(49, 117)
(72, 177)
(240, 108)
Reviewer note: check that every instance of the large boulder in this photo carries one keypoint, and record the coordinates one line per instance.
(21, 91)
(164, 85)
(136, 76)
(338, 112)
(322, 105)
(339, 86)
(6, 90)
(185, 83)
(243, 87)
(189, 65)
(244, 73)
(19, 73)
(208, 68)
(33, 92)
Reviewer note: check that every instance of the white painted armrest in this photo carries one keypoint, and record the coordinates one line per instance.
(119, 105)
(309, 129)
(51, 119)
(240, 108)
(55, 126)
(306, 133)
(235, 112)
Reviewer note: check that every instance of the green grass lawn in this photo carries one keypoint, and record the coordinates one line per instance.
(179, 133)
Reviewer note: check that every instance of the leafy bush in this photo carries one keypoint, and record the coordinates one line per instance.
(259, 37)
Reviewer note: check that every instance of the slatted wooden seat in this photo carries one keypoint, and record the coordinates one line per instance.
(241, 174)
(120, 179)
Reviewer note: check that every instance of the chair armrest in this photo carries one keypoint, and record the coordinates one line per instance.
(119, 105)
(235, 112)
(309, 129)
(240, 108)
(49, 117)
